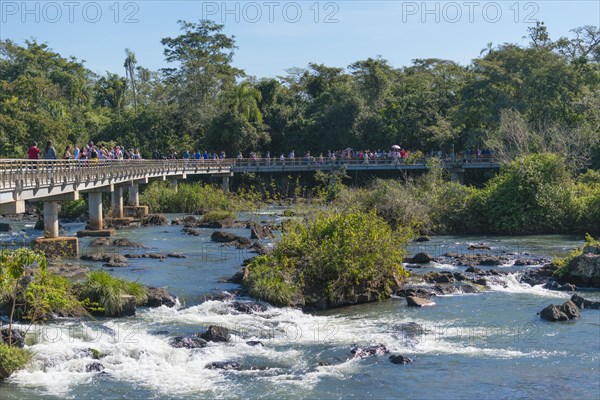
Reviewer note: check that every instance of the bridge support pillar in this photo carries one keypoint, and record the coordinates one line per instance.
(134, 195)
(14, 207)
(226, 184)
(173, 184)
(51, 244)
(96, 221)
(457, 175)
(117, 202)
(50, 219)
(133, 208)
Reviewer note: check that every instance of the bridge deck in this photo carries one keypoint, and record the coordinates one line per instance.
(37, 179)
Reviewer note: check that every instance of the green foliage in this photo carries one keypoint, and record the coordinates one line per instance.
(48, 295)
(563, 263)
(12, 359)
(533, 194)
(190, 198)
(73, 209)
(102, 288)
(331, 256)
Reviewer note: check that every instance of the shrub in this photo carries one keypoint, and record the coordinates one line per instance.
(73, 209)
(49, 294)
(105, 292)
(328, 259)
(190, 198)
(12, 359)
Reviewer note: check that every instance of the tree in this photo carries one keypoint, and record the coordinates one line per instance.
(129, 65)
(13, 264)
(203, 56)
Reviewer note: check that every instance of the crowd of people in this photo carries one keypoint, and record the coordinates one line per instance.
(89, 152)
(396, 154)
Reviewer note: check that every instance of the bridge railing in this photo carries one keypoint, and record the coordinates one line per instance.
(22, 174)
(316, 162)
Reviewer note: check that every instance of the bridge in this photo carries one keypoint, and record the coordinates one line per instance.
(54, 181)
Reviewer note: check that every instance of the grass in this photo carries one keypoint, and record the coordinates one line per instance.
(105, 292)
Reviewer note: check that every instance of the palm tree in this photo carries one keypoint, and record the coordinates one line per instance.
(129, 65)
(245, 100)
(487, 49)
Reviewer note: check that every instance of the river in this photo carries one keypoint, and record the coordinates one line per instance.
(488, 345)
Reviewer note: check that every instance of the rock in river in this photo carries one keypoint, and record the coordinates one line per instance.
(413, 301)
(216, 333)
(565, 312)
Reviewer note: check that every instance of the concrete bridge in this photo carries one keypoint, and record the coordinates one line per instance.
(53, 181)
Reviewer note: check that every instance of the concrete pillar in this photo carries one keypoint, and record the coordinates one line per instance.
(173, 184)
(226, 184)
(134, 195)
(117, 202)
(50, 219)
(14, 207)
(95, 209)
(457, 175)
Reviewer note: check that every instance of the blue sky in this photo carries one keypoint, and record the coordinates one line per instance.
(274, 35)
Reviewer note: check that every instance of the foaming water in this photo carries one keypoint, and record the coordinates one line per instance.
(490, 345)
(510, 284)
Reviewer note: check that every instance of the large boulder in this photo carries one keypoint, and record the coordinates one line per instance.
(538, 276)
(154, 220)
(231, 239)
(567, 311)
(420, 258)
(159, 297)
(584, 270)
(216, 333)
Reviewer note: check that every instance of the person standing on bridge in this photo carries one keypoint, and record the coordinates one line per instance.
(33, 153)
(49, 151)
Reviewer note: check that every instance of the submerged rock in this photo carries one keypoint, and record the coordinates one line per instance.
(190, 231)
(231, 239)
(422, 239)
(413, 301)
(226, 365)
(400, 359)
(94, 367)
(216, 333)
(538, 276)
(420, 258)
(478, 246)
(248, 308)
(567, 287)
(584, 303)
(254, 343)
(188, 342)
(377, 350)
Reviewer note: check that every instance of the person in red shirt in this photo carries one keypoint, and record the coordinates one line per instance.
(33, 153)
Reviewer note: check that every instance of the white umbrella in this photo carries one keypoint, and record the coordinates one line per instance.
(396, 147)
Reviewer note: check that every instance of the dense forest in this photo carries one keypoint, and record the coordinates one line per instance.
(516, 100)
